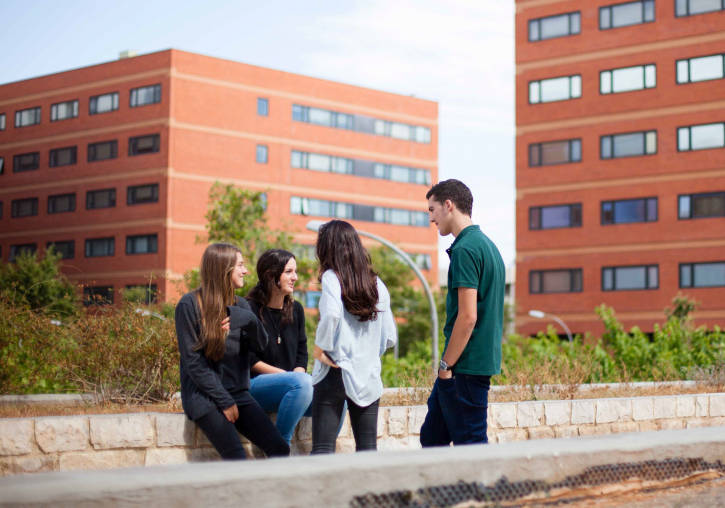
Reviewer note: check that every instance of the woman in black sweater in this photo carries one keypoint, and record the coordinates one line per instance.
(214, 364)
(280, 382)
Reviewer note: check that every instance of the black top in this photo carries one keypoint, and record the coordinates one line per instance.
(205, 384)
(291, 351)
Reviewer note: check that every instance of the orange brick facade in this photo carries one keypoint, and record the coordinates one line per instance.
(668, 241)
(209, 130)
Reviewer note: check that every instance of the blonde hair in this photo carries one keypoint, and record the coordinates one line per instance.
(214, 294)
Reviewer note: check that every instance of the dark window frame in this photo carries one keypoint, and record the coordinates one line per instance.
(131, 190)
(71, 249)
(689, 137)
(18, 166)
(690, 197)
(16, 203)
(539, 81)
(611, 6)
(51, 198)
(134, 141)
(644, 144)
(689, 70)
(19, 248)
(37, 112)
(53, 110)
(89, 247)
(93, 147)
(677, 4)
(133, 94)
(646, 278)
(540, 148)
(613, 203)
(130, 239)
(692, 274)
(53, 156)
(90, 196)
(572, 276)
(262, 106)
(261, 154)
(98, 295)
(611, 79)
(93, 100)
(539, 20)
(3, 122)
(573, 207)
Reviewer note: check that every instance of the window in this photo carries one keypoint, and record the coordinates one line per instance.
(141, 244)
(262, 154)
(333, 209)
(629, 144)
(312, 299)
(359, 167)
(63, 156)
(554, 26)
(144, 95)
(61, 203)
(699, 206)
(102, 198)
(100, 247)
(26, 207)
(701, 68)
(555, 89)
(626, 211)
(150, 292)
(97, 295)
(139, 145)
(66, 249)
(26, 117)
(692, 7)
(63, 110)
(361, 123)
(26, 162)
(702, 275)
(139, 194)
(2, 165)
(262, 106)
(22, 249)
(102, 151)
(621, 278)
(626, 14)
(555, 281)
(701, 137)
(558, 216)
(555, 152)
(103, 103)
(628, 79)
(2, 121)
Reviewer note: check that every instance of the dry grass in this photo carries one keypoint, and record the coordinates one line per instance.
(25, 410)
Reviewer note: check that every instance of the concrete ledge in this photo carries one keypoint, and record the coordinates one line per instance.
(334, 480)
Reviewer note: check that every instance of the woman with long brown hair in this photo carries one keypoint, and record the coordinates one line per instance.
(356, 327)
(214, 357)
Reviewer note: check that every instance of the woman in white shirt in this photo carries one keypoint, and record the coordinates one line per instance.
(356, 327)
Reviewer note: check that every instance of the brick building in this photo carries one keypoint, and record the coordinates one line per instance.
(620, 172)
(113, 163)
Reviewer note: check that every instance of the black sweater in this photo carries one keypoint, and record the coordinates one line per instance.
(292, 350)
(207, 385)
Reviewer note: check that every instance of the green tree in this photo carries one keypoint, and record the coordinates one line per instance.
(238, 216)
(37, 283)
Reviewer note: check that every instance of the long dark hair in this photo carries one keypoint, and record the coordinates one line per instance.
(214, 294)
(270, 267)
(339, 249)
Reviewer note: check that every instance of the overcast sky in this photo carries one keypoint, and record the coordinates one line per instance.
(459, 53)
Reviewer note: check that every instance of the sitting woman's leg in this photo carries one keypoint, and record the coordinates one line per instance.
(327, 404)
(289, 394)
(222, 434)
(255, 425)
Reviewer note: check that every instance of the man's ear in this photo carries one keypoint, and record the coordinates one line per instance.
(448, 205)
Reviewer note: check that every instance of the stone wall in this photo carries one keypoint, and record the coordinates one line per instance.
(66, 443)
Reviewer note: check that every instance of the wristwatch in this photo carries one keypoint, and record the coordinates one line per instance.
(444, 366)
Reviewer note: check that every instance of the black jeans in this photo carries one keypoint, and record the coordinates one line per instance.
(253, 423)
(457, 411)
(327, 401)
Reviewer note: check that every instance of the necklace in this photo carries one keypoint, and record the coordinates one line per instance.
(277, 328)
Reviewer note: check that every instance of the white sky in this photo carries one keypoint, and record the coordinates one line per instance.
(457, 52)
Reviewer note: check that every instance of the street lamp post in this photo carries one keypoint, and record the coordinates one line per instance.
(314, 225)
(540, 314)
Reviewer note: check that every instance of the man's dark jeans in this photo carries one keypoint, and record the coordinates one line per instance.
(456, 411)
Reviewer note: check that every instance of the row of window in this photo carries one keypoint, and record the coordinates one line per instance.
(627, 79)
(103, 295)
(623, 278)
(615, 16)
(360, 123)
(369, 213)
(94, 247)
(627, 144)
(100, 151)
(359, 167)
(99, 198)
(627, 211)
(97, 104)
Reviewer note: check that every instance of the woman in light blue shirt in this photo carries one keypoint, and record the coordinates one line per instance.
(356, 327)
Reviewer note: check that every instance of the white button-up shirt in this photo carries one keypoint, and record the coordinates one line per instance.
(356, 346)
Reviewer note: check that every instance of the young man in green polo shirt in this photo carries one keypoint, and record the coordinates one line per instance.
(458, 404)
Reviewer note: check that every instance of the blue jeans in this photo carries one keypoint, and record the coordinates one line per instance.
(457, 410)
(288, 394)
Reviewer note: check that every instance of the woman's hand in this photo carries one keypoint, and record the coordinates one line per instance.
(320, 355)
(299, 369)
(232, 413)
(225, 325)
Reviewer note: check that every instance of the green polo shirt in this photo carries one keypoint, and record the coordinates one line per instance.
(476, 263)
